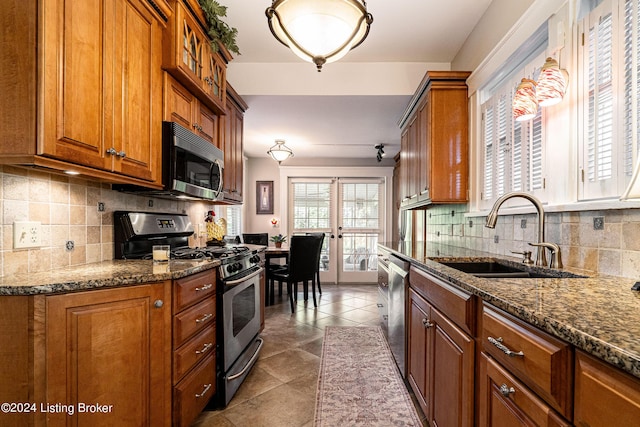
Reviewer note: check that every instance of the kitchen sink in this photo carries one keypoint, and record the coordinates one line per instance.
(494, 268)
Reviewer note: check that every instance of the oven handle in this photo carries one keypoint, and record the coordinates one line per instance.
(245, 278)
(249, 363)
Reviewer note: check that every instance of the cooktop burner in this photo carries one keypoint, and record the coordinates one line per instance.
(209, 252)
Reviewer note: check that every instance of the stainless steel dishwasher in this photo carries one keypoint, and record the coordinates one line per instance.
(398, 288)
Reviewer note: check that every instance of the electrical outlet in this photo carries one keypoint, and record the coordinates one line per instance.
(27, 234)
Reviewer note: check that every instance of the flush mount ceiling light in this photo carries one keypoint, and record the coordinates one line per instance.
(280, 152)
(552, 83)
(319, 31)
(525, 104)
(380, 154)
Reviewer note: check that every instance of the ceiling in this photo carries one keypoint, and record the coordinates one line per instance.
(355, 103)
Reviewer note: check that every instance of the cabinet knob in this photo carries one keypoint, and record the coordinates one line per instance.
(112, 151)
(121, 154)
(158, 303)
(506, 390)
(426, 323)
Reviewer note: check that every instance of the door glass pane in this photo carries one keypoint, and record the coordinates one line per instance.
(361, 225)
(311, 213)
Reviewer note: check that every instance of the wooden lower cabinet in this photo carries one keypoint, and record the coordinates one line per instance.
(440, 365)
(604, 395)
(506, 402)
(109, 349)
(194, 345)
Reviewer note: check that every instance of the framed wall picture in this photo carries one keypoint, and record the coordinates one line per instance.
(264, 197)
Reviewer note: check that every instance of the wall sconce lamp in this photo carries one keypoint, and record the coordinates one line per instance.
(274, 222)
(319, 31)
(280, 152)
(525, 104)
(380, 154)
(552, 83)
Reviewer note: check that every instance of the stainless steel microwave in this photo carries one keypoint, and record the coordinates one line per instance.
(191, 167)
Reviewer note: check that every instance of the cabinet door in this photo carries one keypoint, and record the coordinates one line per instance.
(214, 77)
(77, 87)
(191, 45)
(419, 347)
(138, 90)
(111, 347)
(604, 396)
(231, 145)
(102, 85)
(453, 374)
(179, 103)
(505, 402)
(207, 122)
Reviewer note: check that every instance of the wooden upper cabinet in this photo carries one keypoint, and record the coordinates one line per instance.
(231, 143)
(189, 58)
(436, 165)
(97, 104)
(182, 107)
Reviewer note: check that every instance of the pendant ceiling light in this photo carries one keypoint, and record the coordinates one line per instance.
(552, 83)
(280, 152)
(319, 31)
(525, 104)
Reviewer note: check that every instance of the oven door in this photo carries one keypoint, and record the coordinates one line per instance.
(241, 315)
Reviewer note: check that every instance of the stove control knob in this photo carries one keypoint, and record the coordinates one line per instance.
(238, 266)
(230, 268)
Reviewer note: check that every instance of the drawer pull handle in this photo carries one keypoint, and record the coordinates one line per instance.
(205, 348)
(204, 391)
(426, 323)
(503, 348)
(506, 391)
(204, 288)
(204, 318)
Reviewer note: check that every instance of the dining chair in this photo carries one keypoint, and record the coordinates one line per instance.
(256, 238)
(319, 254)
(302, 267)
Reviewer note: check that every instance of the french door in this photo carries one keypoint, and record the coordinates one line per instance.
(350, 212)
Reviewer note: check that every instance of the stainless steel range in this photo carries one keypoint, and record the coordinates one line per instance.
(238, 299)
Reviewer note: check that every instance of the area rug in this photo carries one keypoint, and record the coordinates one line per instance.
(359, 384)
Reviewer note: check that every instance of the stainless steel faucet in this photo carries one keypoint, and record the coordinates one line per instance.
(541, 258)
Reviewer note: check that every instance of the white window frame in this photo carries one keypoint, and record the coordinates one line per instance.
(614, 149)
(506, 166)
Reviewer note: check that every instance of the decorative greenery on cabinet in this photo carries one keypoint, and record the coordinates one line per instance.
(219, 31)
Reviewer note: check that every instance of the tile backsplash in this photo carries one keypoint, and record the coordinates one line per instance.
(67, 208)
(607, 242)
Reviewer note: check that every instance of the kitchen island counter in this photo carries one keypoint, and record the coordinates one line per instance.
(597, 314)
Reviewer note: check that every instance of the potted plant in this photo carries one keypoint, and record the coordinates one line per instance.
(219, 31)
(278, 240)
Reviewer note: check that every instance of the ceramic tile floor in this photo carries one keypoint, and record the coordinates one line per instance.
(281, 388)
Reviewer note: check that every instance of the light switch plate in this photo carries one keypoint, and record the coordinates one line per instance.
(27, 234)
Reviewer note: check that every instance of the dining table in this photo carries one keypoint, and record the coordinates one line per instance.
(271, 253)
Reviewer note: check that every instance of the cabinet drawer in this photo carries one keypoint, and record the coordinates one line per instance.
(456, 304)
(505, 401)
(192, 320)
(542, 362)
(192, 394)
(193, 351)
(190, 289)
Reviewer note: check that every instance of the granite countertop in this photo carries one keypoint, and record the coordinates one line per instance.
(598, 314)
(100, 275)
